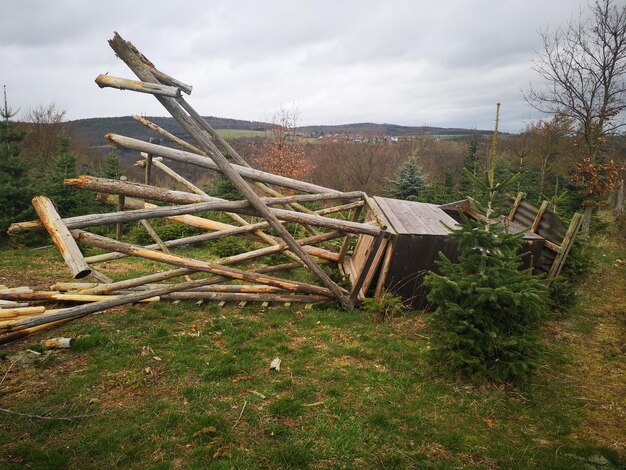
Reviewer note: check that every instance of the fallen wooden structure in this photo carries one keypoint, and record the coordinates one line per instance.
(390, 250)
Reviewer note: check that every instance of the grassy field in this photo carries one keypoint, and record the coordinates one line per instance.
(230, 134)
(188, 386)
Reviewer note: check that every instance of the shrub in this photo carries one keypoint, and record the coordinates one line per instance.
(487, 309)
(385, 308)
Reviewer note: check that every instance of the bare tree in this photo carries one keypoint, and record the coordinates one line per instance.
(583, 65)
(45, 125)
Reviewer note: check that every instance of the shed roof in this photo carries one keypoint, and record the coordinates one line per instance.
(415, 218)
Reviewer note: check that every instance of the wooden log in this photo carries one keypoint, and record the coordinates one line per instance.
(247, 297)
(162, 276)
(16, 290)
(61, 237)
(126, 53)
(54, 295)
(4, 304)
(236, 217)
(235, 156)
(166, 79)
(537, 221)
(197, 265)
(17, 312)
(228, 231)
(91, 220)
(178, 141)
(87, 309)
(201, 161)
(148, 170)
(108, 81)
(143, 191)
(516, 203)
(25, 332)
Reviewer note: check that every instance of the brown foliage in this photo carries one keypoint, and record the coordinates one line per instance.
(598, 180)
(282, 152)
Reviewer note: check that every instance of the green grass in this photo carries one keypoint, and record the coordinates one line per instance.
(351, 393)
(230, 134)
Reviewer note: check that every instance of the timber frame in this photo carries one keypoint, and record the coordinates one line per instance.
(311, 225)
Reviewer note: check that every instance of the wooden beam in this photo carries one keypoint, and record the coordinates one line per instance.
(196, 265)
(108, 81)
(204, 162)
(566, 246)
(518, 200)
(61, 237)
(537, 221)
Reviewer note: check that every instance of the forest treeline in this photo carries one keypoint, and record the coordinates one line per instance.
(45, 149)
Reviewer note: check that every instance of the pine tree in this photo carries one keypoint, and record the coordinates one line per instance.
(410, 181)
(112, 167)
(487, 308)
(15, 187)
(69, 201)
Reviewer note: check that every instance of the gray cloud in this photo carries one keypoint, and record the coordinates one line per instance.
(407, 62)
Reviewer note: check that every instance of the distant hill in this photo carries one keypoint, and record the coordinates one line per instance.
(93, 130)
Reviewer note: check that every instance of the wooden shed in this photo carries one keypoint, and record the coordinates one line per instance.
(418, 232)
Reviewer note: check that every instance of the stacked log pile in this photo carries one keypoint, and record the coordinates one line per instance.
(264, 215)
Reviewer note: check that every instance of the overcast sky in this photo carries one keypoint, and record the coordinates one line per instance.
(422, 62)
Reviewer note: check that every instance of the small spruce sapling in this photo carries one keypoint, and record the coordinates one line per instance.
(487, 307)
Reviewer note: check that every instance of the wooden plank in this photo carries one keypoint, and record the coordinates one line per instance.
(356, 288)
(566, 246)
(542, 209)
(61, 237)
(390, 215)
(518, 199)
(384, 269)
(108, 81)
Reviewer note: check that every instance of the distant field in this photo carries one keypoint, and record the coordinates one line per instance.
(239, 133)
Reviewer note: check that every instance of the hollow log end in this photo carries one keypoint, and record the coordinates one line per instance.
(82, 273)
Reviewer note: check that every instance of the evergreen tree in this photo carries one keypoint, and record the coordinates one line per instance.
(471, 160)
(410, 181)
(487, 308)
(69, 201)
(15, 187)
(223, 188)
(471, 165)
(112, 167)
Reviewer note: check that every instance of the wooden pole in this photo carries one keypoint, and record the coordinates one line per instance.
(197, 265)
(61, 237)
(108, 81)
(199, 160)
(537, 221)
(170, 211)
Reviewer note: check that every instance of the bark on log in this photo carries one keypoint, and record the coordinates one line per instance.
(128, 55)
(204, 162)
(108, 81)
(180, 261)
(61, 237)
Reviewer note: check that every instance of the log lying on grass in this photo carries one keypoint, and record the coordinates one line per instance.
(61, 237)
(87, 309)
(99, 241)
